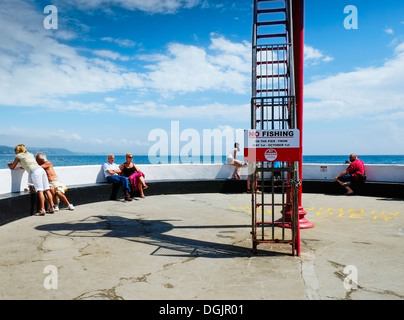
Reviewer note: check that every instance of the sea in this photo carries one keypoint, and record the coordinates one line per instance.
(83, 160)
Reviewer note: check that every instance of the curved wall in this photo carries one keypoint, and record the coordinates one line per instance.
(17, 180)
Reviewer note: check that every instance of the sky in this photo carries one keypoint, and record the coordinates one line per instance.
(160, 76)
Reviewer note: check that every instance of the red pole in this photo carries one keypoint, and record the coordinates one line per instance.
(298, 52)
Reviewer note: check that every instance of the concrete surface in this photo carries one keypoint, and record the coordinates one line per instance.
(198, 246)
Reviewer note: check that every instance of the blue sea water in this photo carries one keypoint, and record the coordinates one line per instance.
(82, 160)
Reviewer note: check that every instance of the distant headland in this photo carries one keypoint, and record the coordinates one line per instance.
(48, 151)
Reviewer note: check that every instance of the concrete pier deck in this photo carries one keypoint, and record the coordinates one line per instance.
(198, 247)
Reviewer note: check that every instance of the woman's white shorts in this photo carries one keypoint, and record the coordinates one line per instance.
(39, 179)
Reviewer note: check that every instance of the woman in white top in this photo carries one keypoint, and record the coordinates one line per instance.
(231, 159)
(36, 175)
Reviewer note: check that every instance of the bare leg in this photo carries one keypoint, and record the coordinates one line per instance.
(50, 199)
(41, 198)
(237, 169)
(63, 197)
(348, 189)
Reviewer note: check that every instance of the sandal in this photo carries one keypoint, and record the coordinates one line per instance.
(40, 213)
(142, 195)
(145, 187)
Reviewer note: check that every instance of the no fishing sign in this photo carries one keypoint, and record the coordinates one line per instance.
(272, 145)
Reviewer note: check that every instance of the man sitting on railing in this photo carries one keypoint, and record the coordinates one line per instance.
(112, 174)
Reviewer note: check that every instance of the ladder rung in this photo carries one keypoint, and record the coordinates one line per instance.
(269, 204)
(269, 1)
(271, 120)
(274, 35)
(271, 105)
(272, 90)
(271, 23)
(272, 62)
(268, 76)
(272, 10)
(272, 48)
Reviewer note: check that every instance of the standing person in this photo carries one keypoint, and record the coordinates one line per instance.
(58, 189)
(354, 173)
(231, 159)
(135, 176)
(112, 174)
(36, 176)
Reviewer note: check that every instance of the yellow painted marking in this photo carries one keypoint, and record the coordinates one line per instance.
(351, 213)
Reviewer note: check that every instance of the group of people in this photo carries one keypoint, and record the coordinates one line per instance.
(127, 175)
(42, 177)
(353, 174)
(45, 182)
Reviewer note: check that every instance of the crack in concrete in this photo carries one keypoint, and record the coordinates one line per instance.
(309, 276)
(341, 275)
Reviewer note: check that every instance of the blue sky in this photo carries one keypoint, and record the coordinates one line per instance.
(116, 74)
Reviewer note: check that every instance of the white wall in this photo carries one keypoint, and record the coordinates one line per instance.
(17, 180)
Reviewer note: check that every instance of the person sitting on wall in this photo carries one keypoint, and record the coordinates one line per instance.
(112, 174)
(231, 160)
(354, 173)
(58, 189)
(134, 175)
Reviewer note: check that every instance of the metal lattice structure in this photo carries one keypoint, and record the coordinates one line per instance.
(275, 184)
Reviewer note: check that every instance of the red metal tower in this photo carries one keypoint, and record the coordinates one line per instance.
(274, 143)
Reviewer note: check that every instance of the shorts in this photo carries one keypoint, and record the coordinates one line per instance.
(58, 186)
(229, 160)
(39, 179)
(347, 178)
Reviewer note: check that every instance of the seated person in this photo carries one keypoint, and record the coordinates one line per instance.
(112, 174)
(58, 189)
(135, 176)
(231, 160)
(354, 173)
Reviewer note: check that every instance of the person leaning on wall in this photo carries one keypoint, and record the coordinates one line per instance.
(58, 189)
(36, 176)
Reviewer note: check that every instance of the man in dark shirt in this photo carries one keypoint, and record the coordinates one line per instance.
(354, 173)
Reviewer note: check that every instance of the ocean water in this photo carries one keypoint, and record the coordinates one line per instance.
(82, 160)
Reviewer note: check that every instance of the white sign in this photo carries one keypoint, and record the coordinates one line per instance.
(272, 138)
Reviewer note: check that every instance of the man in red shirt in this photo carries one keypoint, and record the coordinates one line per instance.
(354, 173)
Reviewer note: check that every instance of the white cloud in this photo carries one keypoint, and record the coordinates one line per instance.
(208, 111)
(367, 93)
(314, 56)
(36, 67)
(110, 55)
(125, 43)
(389, 31)
(150, 6)
(187, 68)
